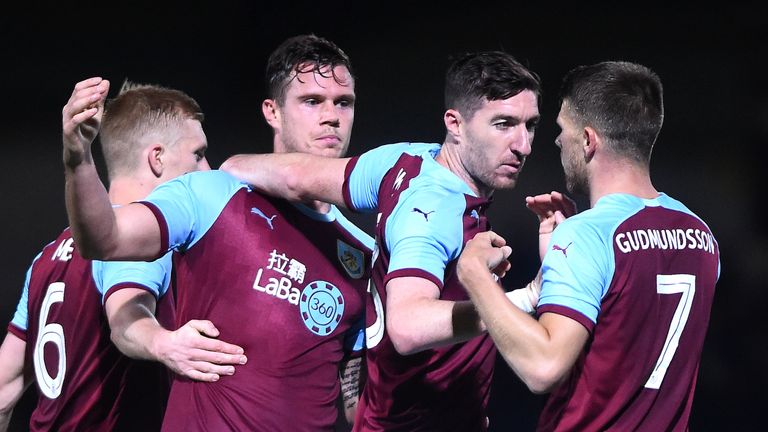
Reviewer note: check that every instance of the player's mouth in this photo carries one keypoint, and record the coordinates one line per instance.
(511, 168)
(330, 140)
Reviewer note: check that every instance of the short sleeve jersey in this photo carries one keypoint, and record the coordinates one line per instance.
(426, 215)
(280, 280)
(639, 275)
(84, 382)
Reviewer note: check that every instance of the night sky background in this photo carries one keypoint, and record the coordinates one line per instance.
(710, 154)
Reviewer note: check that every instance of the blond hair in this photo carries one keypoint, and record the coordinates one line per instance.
(138, 114)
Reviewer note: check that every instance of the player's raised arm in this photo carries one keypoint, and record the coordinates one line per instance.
(99, 232)
(292, 176)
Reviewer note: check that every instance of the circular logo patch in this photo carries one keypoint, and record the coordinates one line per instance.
(321, 306)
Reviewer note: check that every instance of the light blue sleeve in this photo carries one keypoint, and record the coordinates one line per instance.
(155, 276)
(363, 182)
(191, 204)
(425, 231)
(21, 317)
(575, 268)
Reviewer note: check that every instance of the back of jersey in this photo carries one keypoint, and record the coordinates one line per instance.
(639, 369)
(80, 374)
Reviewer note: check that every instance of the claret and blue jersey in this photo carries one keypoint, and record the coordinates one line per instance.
(426, 215)
(639, 275)
(84, 382)
(282, 281)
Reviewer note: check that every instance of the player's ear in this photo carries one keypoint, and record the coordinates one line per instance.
(453, 124)
(591, 141)
(271, 112)
(155, 159)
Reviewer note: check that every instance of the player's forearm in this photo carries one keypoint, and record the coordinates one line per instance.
(10, 393)
(141, 338)
(12, 381)
(430, 323)
(523, 342)
(90, 213)
(292, 176)
(351, 377)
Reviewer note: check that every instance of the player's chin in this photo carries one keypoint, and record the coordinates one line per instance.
(505, 182)
(331, 152)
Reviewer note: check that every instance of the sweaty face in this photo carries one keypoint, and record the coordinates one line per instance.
(187, 154)
(497, 140)
(318, 113)
(570, 143)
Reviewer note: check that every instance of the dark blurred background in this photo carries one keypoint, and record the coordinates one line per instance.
(710, 154)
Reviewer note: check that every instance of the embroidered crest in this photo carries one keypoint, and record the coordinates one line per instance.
(351, 259)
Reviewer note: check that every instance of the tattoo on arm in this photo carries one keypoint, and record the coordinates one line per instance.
(350, 381)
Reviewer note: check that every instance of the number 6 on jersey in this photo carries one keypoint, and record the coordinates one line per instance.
(53, 333)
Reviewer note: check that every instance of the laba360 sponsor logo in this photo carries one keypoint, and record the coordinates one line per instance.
(321, 304)
(288, 270)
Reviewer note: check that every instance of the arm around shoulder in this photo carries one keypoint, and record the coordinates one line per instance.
(292, 176)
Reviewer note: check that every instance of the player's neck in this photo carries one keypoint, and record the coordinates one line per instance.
(448, 158)
(626, 178)
(125, 190)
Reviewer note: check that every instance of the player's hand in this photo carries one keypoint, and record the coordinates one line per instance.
(486, 251)
(81, 119)
(551, 209)
(194, 352)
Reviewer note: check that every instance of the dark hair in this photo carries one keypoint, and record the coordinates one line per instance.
(303, 53)
(473, 78)
(138, 111)
(622, 101)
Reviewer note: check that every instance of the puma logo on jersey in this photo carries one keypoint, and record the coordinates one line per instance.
(64, 250)
(261, 214)
(562, 249)
(423, 213)
(399, 179)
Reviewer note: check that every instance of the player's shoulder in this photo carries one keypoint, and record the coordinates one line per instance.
(446, 196)
(389, 153)
(671, 203)
(602, 218)
(204, 182)
(204, 177)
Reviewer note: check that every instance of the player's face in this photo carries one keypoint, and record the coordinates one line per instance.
(497, 140)
(570, 141)
(318, 113)
(188, 153)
